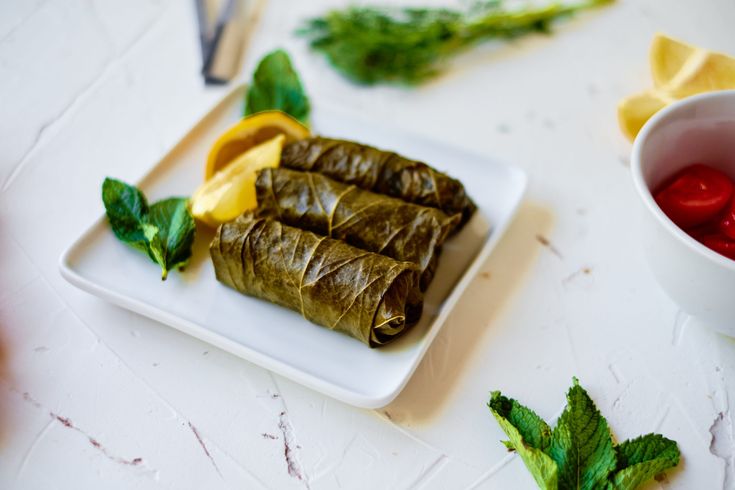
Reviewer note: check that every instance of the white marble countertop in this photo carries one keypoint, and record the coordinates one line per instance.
(92, 396)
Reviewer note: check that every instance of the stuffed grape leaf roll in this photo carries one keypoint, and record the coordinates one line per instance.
(369, 296)
(373, 222)
(380, 171)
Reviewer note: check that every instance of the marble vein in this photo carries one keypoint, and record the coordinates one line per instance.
(290, 446)
(69, 424)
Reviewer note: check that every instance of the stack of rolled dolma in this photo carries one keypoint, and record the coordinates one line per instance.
(347, 235)
(380, 171)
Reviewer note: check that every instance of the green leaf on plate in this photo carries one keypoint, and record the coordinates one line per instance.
(175, 233)
(276, 86)
(165, 230)
(126, 208)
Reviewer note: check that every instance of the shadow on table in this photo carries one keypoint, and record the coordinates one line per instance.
(503, 273)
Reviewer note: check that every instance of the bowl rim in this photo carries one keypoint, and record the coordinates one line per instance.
(645, 193)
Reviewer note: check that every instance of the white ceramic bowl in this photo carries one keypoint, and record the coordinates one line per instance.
(699, 129)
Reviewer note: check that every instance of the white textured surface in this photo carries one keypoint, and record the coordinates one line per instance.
(95, 88)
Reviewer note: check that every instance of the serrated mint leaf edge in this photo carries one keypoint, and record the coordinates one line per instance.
(598, 461)
(543, 469)
(639, 471)
(534, 430)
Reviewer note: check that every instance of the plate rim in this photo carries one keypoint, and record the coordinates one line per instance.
(265, 361)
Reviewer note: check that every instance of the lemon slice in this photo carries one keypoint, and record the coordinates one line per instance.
(704, 72)
(231, 191)
(667, 57)
(247, 133)
(634, 111)
(679, 70)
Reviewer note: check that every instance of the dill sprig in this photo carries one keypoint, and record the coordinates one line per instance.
(371, 44)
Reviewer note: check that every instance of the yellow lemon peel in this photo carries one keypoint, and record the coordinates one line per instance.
(678, 70)
(247, 133)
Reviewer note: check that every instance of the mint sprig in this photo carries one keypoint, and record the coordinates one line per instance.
(165, 230)
(276, 86)
(529, 436)
(580, 453)
(581, 444)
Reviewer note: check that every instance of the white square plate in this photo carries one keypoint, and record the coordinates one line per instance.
(276, 338)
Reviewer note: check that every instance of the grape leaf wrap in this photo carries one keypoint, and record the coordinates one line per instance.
(366, 295)
(374, 222)
(383, 172)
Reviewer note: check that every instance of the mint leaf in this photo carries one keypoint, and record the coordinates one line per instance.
(126, 208)
(529, 436)
(642, 458)
(276, 86)
(580, 453)
(535, 432)
(154, 247)
(175, 233)
(165, 231)
(581, 443)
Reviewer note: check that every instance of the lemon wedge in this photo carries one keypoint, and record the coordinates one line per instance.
(231, 191)
(247, 133)
(667, 57)
(678, 70)
(704, 72)
(634, 111)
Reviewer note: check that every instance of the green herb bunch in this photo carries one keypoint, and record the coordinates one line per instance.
(371, 45)
(579, 453)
